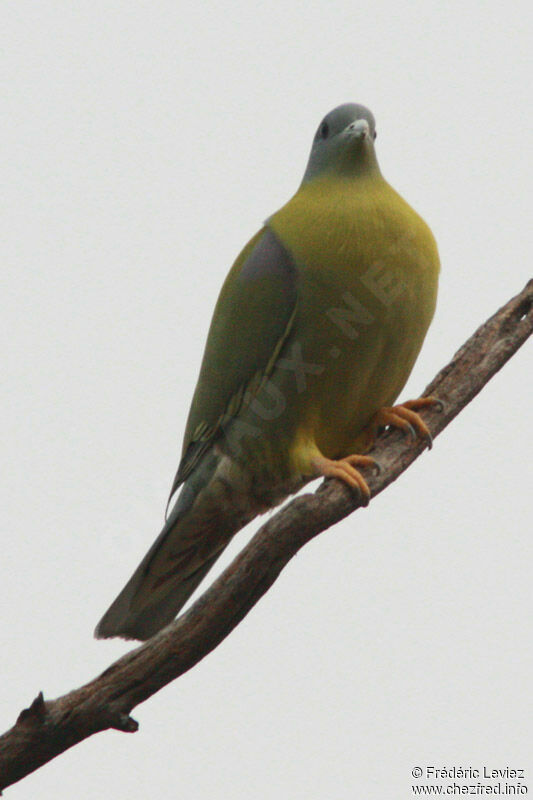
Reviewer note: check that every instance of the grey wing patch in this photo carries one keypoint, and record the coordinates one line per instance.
(269, 259)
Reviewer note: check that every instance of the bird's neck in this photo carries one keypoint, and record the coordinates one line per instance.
(361, 164)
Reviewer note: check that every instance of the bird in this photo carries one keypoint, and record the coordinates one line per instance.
(315, 332)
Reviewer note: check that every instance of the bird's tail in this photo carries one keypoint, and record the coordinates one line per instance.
(212, 506)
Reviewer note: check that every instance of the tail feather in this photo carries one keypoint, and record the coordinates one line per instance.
(209, 510)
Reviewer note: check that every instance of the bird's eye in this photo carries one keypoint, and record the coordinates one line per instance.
(375, 135)
(324, 130)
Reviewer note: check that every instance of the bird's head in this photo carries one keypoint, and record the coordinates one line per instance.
(344, 143)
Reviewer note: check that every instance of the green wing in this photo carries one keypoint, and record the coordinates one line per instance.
(252, 319)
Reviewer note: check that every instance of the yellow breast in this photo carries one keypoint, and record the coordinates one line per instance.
(368, 272)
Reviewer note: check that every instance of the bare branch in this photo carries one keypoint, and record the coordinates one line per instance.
(48, 728)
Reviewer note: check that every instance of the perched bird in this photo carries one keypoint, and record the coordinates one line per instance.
(314, 334)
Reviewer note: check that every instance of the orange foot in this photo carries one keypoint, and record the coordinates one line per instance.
(345, 470)
(405, 417)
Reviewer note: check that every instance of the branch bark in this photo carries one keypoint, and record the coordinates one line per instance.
(48, 728)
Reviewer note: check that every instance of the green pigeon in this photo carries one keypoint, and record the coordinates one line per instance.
(314, 334)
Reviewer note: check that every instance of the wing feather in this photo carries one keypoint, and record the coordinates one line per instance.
(251, 322)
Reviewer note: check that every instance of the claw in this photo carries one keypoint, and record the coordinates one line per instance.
(406, 418)
(408, 428)
(345, 470)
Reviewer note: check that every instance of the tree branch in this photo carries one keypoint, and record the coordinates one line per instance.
(48, 728)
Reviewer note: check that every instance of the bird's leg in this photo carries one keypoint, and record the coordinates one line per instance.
(344, 469)
(406, 418)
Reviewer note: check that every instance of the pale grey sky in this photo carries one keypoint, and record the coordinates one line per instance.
(142, 145)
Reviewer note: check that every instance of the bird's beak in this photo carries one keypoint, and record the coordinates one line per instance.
(360, 129)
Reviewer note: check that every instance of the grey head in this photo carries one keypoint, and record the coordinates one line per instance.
(344, 143)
